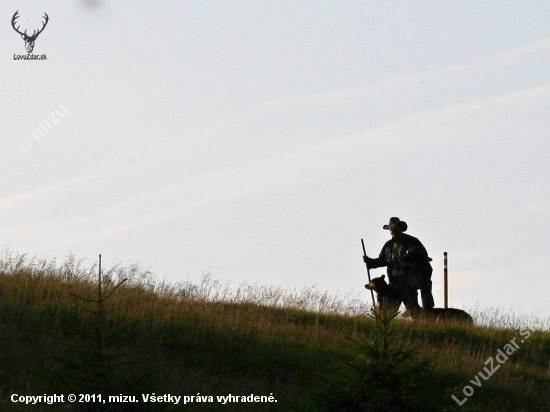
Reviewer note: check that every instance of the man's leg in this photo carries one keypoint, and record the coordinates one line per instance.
(408, 295)
(427, 297)
(410, 298)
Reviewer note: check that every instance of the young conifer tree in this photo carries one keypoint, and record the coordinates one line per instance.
(384, 374)
(94, 356)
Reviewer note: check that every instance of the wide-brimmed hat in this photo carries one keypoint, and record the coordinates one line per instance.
(394, 222)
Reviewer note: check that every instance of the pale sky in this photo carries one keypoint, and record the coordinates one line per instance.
(261, 140)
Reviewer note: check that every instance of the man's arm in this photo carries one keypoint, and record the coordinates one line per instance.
(416, 254)
(378, 262)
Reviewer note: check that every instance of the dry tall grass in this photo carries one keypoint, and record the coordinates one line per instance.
(212, 339)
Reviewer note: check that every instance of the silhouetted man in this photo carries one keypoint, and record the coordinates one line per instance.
(408, 265)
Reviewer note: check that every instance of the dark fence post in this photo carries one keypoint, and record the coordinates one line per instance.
(445, 282)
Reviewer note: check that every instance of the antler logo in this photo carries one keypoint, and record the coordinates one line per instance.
(29, 40)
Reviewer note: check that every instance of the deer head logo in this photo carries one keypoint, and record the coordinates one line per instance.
(29, 40)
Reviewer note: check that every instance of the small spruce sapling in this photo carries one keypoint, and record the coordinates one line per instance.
(96, 359)
(383, 374)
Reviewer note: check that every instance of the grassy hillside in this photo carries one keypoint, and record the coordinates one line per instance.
(159, 338)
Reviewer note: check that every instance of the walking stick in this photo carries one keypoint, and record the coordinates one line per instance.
(368, 272)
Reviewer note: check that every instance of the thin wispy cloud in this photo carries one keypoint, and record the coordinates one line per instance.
(448, 77)
(48, 191)
(293, 167)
